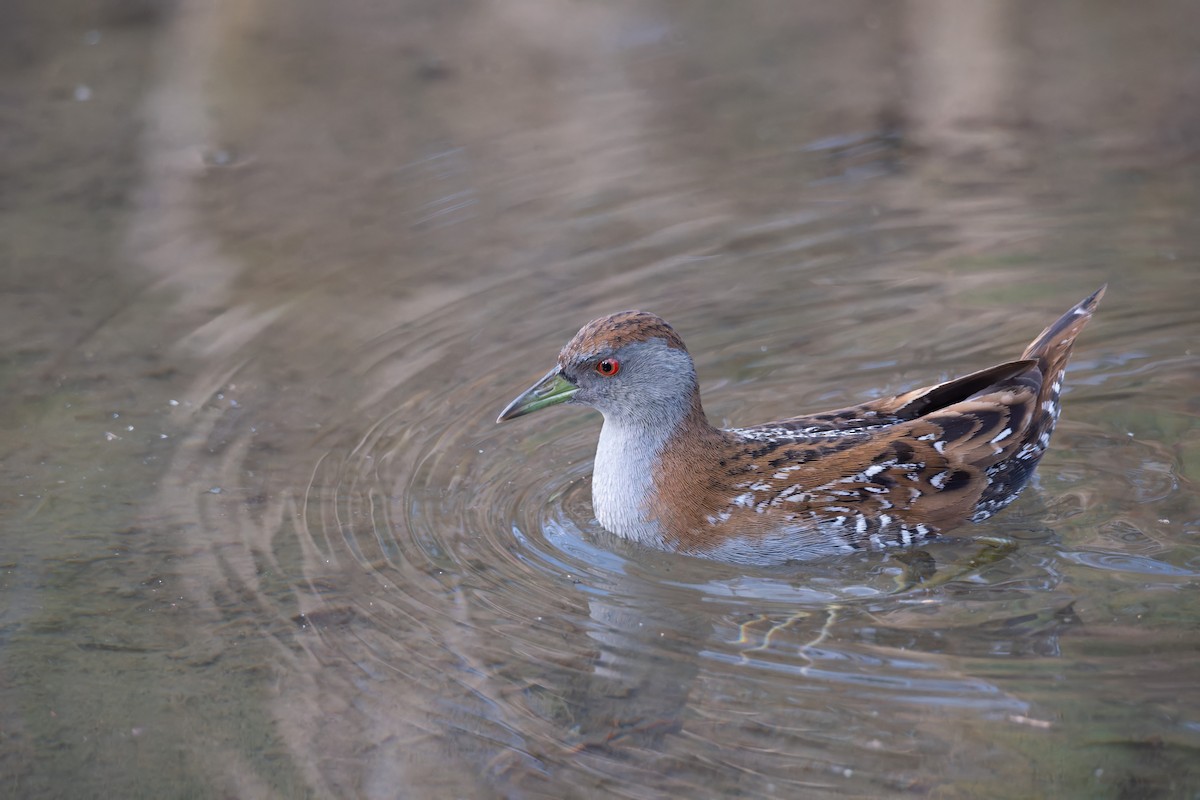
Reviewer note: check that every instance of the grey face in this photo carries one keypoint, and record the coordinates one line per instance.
(647, 383)
(652, 382)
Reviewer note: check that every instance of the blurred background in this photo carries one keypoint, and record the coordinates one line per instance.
(270, 268)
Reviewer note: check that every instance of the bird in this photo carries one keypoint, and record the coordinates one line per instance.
(892, 471)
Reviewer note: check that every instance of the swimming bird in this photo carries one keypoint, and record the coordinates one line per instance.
(891, 471)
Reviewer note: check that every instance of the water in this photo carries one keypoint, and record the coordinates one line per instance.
(267, 285)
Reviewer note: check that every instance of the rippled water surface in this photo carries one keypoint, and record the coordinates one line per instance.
(270, 270)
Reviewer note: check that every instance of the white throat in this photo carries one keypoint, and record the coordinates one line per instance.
(640, 416)
(623, 478)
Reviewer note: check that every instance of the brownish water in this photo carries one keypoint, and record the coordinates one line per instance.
(270, 269)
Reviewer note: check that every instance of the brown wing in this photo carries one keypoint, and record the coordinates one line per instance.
(892, 484)
(883, 472)
(903, 407)
(922, 461)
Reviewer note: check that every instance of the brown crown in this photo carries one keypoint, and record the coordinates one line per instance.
(617, 330)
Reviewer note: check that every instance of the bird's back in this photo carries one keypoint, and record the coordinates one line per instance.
(895, 469)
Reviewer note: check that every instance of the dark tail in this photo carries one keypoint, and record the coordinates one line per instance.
(1052, 347)
(1052, 350)
(1049, 355)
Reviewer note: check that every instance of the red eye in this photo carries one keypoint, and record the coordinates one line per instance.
(608, 367)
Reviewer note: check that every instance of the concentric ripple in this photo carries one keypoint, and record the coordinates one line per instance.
(454, 568)
(437, 582)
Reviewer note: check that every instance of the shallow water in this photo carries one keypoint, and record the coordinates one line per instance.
(272, 269)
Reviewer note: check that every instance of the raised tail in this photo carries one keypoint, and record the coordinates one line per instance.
(1052, 347)
(1047, 356)
(1052, 350)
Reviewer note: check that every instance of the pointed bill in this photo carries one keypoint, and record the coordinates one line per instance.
(551, 390)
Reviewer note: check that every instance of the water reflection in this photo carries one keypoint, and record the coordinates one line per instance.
(264, 539)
